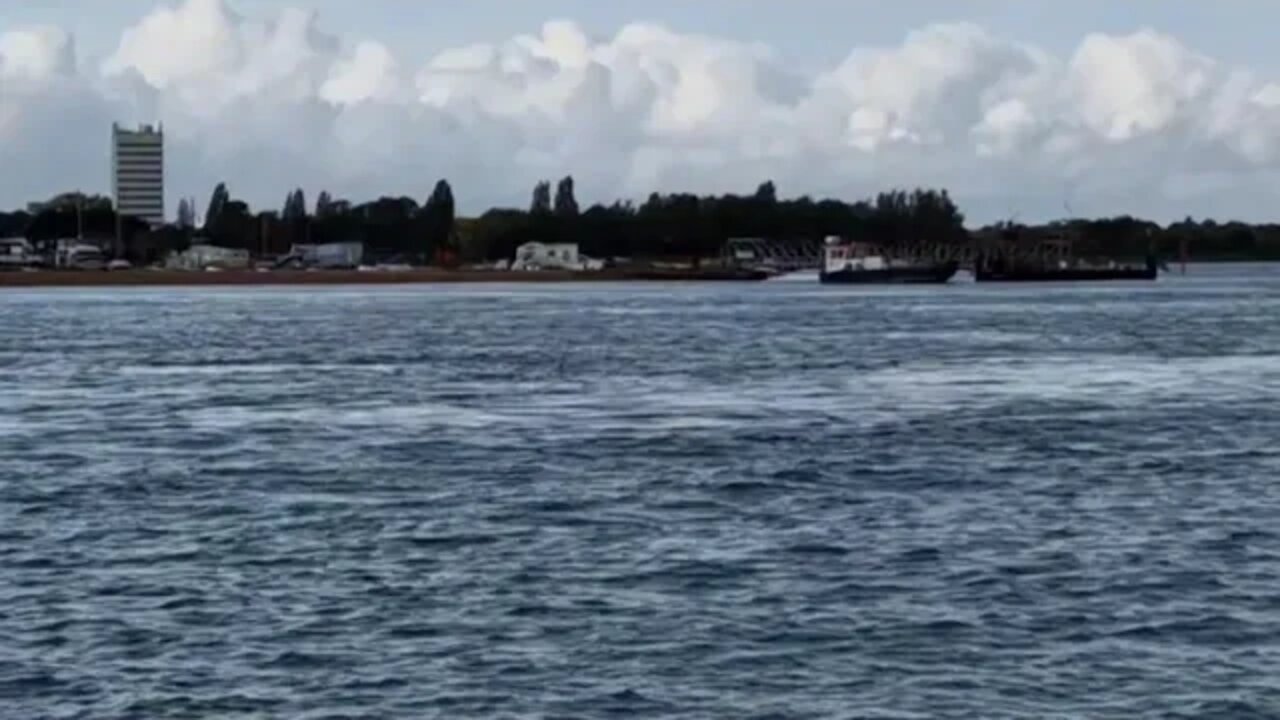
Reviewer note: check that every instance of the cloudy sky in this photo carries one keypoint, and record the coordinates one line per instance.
(1025, 108)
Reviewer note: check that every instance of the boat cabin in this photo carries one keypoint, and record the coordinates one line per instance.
(844, 254)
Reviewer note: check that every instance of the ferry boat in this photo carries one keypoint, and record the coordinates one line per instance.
(851, 262)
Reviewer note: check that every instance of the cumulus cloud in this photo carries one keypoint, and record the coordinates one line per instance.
(1126, 123)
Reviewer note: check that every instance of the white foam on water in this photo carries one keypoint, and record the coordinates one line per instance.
(868, 398)
(231, 369)
(969, 337)
(1118, 380)
(799, 276)
(388, 418)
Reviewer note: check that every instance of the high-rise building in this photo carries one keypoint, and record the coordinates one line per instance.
(137, 172)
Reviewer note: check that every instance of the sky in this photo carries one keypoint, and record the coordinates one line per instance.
(1020, 108)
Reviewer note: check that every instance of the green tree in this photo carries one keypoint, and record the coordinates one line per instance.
(295, 206)
(566, 205)
(186, 214)
(541, 204)
(438, 218)
(767, 192)
(324, 204)
(217, 204)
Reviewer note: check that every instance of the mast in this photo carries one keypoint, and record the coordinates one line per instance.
(115, 186)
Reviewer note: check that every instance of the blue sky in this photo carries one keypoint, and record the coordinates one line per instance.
(1156, 107)
(813, 32)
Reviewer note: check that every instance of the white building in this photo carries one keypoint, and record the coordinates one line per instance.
(76, 254)
(328, 255)
(200, 257)
(137, 172)
(552, 256)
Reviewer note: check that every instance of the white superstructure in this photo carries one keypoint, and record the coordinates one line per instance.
(137, 172)
(843, 254)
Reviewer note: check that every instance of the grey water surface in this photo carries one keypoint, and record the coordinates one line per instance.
(687, 501)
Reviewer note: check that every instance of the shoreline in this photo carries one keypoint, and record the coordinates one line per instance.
(180, 278)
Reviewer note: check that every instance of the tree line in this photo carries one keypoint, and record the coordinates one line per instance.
(672, 225)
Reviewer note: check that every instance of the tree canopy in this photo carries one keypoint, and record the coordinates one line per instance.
(541, 203)
(566, 205)
(665, 225)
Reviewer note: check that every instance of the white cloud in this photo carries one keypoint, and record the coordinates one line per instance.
(36, 54)
(369, 74)
(1128, 86)
(1125, 123)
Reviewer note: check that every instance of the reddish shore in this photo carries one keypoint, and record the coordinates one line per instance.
(124, 278)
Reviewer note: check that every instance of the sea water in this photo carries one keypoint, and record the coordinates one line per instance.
(638, 500)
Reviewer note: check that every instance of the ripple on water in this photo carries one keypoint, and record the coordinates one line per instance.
(641, 501)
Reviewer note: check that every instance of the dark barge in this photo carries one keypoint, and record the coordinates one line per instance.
(1000, 272)
(1051, 258)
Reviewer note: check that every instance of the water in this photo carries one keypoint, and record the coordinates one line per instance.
(766, 501)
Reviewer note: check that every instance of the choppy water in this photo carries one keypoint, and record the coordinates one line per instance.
(772, 501)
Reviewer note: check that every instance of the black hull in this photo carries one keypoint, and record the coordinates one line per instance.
(1063, 275)
(926, 274)
(997, 274)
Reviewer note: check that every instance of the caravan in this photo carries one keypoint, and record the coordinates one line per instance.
(16, 253)
(74, 254)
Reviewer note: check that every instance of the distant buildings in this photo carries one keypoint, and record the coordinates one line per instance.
(334, 255)
(201, 257)
(552, 256)
(137, 172)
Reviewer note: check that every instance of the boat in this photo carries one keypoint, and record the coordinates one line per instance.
(851, 263)
(999, 272)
